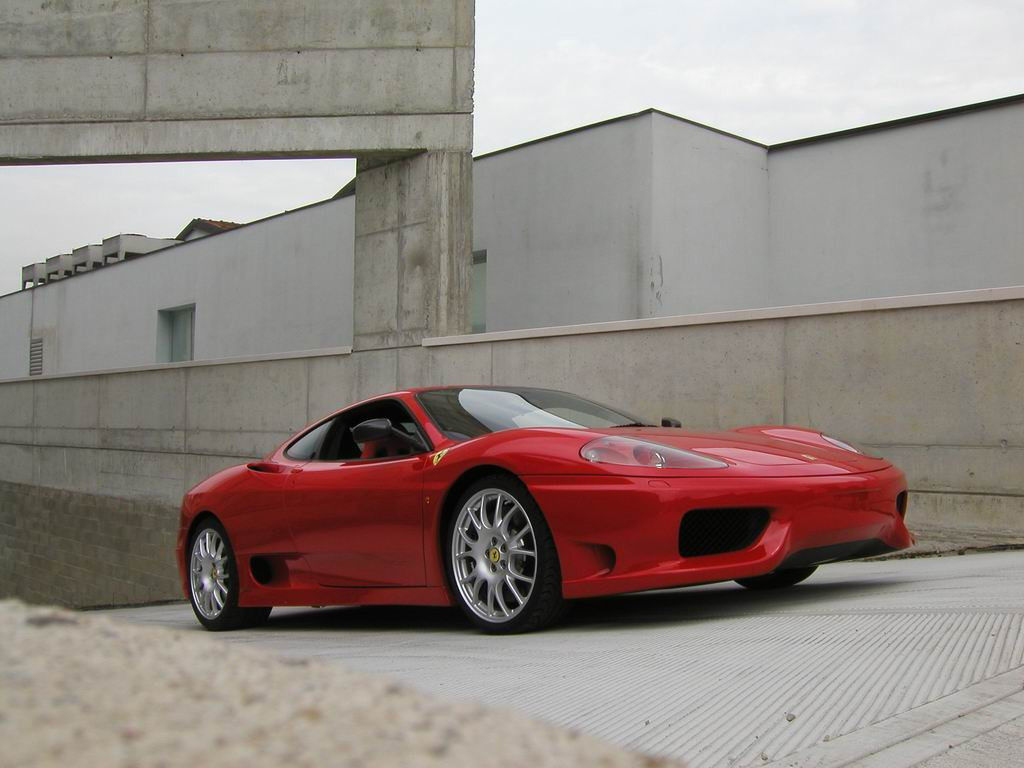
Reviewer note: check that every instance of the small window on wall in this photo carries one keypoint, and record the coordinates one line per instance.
(478, 293)
(175, 332)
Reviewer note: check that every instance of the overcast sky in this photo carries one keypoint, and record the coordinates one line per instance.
(770, 70)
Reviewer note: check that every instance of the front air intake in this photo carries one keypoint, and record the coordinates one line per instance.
(714, 531)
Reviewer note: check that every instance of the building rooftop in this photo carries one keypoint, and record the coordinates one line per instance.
(202, 227)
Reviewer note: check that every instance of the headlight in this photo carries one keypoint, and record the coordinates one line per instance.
(852, 447)
(630, 452)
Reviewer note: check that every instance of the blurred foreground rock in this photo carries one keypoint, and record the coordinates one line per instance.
(81, 690)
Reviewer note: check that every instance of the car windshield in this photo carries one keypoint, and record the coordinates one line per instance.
(465, 413)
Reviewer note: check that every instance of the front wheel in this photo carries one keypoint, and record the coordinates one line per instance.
(501, 560)
(213, 581)
(778, 579)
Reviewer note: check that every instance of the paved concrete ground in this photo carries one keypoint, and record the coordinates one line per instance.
(891, 663)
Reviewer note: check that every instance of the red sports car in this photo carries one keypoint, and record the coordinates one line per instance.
(508, 501)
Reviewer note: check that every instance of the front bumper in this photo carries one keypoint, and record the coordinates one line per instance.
(621, 534)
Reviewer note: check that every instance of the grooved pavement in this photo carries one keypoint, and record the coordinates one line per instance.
(889, 663)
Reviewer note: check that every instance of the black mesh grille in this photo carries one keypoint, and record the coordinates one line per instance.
(713, 531)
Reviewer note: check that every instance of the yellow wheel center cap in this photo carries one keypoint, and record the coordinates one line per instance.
(493, 554)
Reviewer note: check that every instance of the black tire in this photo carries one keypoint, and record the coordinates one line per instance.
(544, 604)
(230, 616)
(778, 579)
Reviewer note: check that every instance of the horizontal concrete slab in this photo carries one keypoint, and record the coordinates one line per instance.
(963, 468)
(144, 411)
(942, 374)
(985, 511)
(724, 376)
(232, 139)
(16, 405)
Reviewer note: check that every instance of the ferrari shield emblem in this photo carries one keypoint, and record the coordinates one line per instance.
(439, 455)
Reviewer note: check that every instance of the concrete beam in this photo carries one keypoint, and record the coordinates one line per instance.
(269, 138)
(106, 81)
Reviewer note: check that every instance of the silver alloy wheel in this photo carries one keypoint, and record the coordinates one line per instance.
(208, 569)
(494, 555)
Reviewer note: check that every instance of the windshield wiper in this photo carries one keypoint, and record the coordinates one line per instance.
(631, 424)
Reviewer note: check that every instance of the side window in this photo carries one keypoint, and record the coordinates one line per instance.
(339, 445)
(306, 447)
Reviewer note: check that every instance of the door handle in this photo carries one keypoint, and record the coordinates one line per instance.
(270, 467)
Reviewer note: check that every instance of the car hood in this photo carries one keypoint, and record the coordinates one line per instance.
(755, 451)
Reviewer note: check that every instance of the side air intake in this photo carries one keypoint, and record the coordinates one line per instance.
(714, 531)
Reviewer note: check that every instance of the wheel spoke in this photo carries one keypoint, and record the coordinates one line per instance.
(499, 514)
(476, 589)
(512, 539)
(515, 592)
(522, 552)
(501, 599)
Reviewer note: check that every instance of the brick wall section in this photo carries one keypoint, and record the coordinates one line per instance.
(82, 550)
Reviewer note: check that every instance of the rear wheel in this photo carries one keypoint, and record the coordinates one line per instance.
(778, 579)
(213, 581)
(501, 560)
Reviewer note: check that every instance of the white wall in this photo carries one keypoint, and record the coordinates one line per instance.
(565, 222)
(280, 285)
(710, 222)
(925, 207)
(15, 320)
(640, 217)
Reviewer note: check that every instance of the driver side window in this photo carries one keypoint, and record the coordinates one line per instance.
(340, 445)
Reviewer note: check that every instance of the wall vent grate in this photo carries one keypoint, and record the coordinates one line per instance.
(35, 357)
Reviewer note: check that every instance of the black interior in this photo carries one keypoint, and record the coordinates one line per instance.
(335, 442)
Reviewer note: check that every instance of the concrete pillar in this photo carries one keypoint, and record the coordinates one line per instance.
(413, 249)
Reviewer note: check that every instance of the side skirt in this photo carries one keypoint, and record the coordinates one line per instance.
(304, 596)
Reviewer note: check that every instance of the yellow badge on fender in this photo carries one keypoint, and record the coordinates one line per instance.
(439, 455)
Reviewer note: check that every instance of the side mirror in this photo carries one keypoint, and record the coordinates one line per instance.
(372, 429)
(667, 422)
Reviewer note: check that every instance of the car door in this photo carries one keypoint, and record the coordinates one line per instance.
(359, 522)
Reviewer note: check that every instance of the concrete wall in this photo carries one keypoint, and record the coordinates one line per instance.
(936, 387)
(641, 217)
(566, 223)
(16, 324)
(709, 219)
(276, 286)
(928, 206)
(101, 80)
(412, 249)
